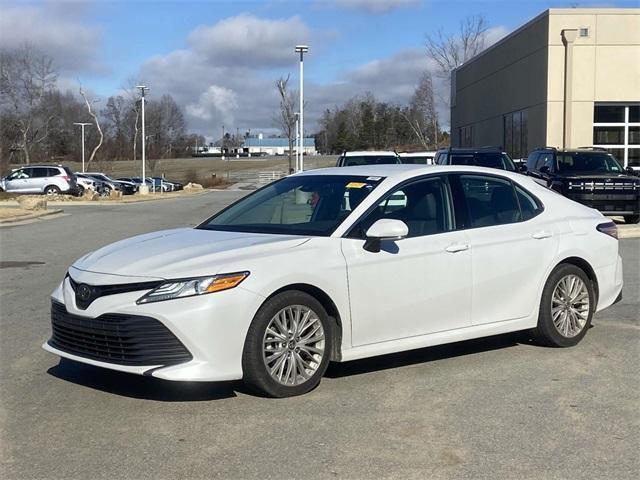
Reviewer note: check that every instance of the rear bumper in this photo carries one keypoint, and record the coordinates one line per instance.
(609, 284)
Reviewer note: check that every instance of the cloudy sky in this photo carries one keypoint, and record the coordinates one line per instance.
(220, 58)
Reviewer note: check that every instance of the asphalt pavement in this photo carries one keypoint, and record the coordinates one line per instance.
(500, 407)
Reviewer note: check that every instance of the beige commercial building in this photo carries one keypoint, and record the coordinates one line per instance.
(568, 78)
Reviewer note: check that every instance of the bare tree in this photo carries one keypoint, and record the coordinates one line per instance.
(286, 117)
(95, 120)
(26, 76)
(451, 51)
(421, 114)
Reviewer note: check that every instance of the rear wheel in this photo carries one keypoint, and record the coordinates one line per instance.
(566, 308)
(80, 190)
(52, 190)
(288, 346)
(631, 218)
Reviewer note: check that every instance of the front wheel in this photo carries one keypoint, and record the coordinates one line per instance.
(633, 219)
(288, 345)
(566, 308)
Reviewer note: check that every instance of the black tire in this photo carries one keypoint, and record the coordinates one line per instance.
(80, 191)
(632, 219)
(51, 190)
(546, 331)
(106, 191)
(256, 375)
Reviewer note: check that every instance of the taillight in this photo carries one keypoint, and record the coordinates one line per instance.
(67, 178)
(608, 228)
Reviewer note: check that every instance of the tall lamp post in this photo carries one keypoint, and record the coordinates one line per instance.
(82, 125)
(297, 142)
(302, 49)
(144, 188)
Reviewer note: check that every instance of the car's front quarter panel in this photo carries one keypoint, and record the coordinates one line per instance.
(317, 262)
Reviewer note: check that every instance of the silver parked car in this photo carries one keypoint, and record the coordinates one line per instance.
(48, 179)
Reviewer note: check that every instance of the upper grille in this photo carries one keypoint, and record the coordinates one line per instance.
(116, 338)
(86, 294)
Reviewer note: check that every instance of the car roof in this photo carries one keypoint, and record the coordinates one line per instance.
(366, 153)
(417, 154)
(571, 150)
(407, 171)
(470, 149)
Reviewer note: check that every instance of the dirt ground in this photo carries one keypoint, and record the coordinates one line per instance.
(185, 169)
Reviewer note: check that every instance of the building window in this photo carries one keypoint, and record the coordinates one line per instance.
(616, 127)
(466, 136)
(515, 134)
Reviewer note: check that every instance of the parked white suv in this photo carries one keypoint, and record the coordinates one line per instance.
(48, 179)
(351, 159)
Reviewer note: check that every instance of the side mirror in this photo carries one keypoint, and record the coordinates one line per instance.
(545, 170)
(384, 229)
(630, 170)
(523, 168)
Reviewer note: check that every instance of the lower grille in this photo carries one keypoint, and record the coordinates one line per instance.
(116, 338)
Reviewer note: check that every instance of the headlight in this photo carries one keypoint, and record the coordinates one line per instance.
(190, 287)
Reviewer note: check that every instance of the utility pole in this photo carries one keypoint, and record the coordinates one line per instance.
(302, 49)
(82, 125)
(144, 188)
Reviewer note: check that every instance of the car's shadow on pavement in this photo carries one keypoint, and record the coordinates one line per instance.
(428, 354)
(137, 386)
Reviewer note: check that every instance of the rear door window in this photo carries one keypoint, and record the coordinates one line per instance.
(489, 201)
(529, 206)
(40, 172)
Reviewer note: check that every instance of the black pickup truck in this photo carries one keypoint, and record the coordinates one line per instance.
(590, 176)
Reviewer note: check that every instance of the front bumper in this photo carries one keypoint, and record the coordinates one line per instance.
(609, 203)
(211, 327)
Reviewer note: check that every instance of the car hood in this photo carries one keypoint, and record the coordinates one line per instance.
(181, 253)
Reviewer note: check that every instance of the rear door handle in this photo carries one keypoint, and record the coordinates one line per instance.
(457, 247)
(542, 234)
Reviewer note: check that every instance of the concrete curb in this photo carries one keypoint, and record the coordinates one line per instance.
(29, 216)
(150, 198)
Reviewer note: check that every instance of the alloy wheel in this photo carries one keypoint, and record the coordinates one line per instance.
(293, 345)
(570, 306)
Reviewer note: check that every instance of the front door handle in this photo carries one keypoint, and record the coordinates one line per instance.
(457, 247)
(542, 234)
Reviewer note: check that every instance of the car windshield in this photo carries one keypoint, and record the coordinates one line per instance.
(297, 205)
(99, 176)
(588, 162)
(482, 159)
(352, 161)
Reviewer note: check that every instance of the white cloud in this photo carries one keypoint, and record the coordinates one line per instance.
(215, 101)
(376, 6)
(73, 45)
(245, 40)
(494, 34)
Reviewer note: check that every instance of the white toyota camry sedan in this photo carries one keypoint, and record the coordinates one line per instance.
(336, 265)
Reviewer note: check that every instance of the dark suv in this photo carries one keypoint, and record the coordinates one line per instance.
(592, 177)
(491, 157)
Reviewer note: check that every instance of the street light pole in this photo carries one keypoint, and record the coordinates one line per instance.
(302, 49)
(297, 142)
(144, 189)
(82, 130)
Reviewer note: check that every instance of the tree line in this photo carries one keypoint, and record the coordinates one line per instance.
(37, 118)
(364, 123)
